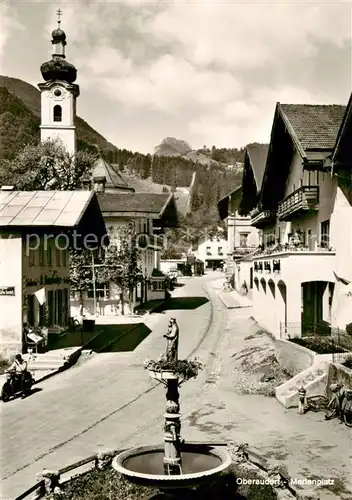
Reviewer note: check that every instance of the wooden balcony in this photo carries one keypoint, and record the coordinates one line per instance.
(303, 199)
(262, 218)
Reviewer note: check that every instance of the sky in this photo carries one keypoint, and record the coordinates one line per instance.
(208, 72)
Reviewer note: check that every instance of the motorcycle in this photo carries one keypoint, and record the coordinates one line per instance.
(12, 386)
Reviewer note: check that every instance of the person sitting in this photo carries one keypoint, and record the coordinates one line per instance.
(19, 366)
(32, 338)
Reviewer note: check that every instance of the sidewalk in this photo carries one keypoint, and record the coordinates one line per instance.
(231, 300)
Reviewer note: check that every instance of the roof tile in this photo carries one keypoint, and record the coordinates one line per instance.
(132, 202)
(316, 126)
(113, 178)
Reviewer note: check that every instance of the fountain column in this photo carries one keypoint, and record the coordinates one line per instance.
(172, 429)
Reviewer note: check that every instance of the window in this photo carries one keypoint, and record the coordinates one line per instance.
(58, 257)
(57, 113)
(51, 309)
(102, 291)
(324, 233)
(243, 240)
(208, 250)
(220, 252)
(41, 254)
(158, 285)
(49, 256)
(64, 258)
(31, 257)
(309, 242)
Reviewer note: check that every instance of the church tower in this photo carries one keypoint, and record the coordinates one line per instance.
(58, 94)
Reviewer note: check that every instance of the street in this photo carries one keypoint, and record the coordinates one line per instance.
(109, 402)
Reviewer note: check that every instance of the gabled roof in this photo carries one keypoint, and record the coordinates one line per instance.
(113, 179)
(156, 273)
(305, 128)
(312, 126)
(133, 202)
(255, 160)
(257, 154)
(43, 208)
(223, 203)
(56, 211)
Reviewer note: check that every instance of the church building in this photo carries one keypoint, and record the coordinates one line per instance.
(59, 94)
(119, 203)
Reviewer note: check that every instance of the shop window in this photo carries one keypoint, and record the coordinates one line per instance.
(41, 255)
(31, 257)
(49, 256)
(58, 257)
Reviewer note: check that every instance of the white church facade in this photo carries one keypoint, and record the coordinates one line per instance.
(58, 95)
(118, 202)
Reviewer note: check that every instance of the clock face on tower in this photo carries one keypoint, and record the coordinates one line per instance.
(58, 94)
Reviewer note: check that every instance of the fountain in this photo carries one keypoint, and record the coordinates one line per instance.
(176, 465)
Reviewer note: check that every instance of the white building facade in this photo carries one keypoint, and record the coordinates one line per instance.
(305, 219)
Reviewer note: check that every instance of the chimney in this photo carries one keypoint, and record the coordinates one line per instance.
(99, 183)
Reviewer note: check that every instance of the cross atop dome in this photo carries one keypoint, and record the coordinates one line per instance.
(59, 14)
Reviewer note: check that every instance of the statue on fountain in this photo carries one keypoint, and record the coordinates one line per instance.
(172, 340)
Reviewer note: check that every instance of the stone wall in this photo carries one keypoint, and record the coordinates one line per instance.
(293, 357)
(338, 374)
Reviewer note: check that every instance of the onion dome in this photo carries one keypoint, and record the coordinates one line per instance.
(58, 35)
(58, 69)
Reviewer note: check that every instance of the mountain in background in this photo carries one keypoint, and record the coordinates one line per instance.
(170, 146)
(173, 167)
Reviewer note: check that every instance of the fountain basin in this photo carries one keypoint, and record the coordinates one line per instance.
(144, 465)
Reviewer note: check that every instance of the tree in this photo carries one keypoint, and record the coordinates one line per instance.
(47, 165)
(121, 263)
(146, 166)
(81, 273)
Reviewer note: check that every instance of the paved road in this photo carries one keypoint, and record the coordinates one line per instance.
(107, 401)
(110, 402)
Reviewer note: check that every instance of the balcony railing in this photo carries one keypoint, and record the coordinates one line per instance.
(261, 218)
(303, 199)
(288, 248)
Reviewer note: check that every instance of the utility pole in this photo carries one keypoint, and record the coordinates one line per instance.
(94, 287)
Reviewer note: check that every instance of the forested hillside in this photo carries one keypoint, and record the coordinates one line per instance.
(19, 125)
